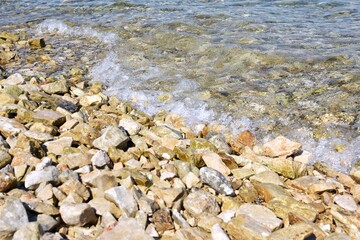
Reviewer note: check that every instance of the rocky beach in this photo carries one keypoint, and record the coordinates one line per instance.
(76, 163)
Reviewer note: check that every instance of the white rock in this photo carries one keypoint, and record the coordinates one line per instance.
(216, 180)
(15, 79)
(131, 126)
(346, 201)
(12, 216)
(112, 136)
(46, 162)
(100, 159)
(48, 174)
(28, 231)
(77, 214)
(124, 199)
(217, 233)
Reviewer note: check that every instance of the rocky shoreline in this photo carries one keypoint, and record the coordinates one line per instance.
(78, 164)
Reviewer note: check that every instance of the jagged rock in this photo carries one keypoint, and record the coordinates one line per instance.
(77, 214)
(9, 36)
(92, 100)
(241, 173)
(355, 173)
(191, 234)
(199, 202)
(270, 191)
(103, 206)
(218, 233)
(214, 161)
(49, 117)
(244, 227)
(162, 220)
(216, 180)
(39, 136)
(102, 180)
(131, 126)
(219, 141)
(76, 160)
(5, 158)
(12, 216)
(48, 174)
(10, 127)
(57, 87)
(39, 206)
(124, 199)
(125, 229)
(296, 231)
(37, 43)
(14, 79)
(261, 215)
(267, 177)
(287, 167)
(112, 137)
(7, 181)
(346, 201)
(46, 222)
(57, 146)
(246, 138)
(29, 231)
(283, 205)
(281, 146)
(100, 159)
(74, 185)
(169, 195)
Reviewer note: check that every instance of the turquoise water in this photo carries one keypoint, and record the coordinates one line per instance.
(274, 67)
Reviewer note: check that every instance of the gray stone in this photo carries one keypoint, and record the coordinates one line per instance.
(216, 180)
(199, 202)
(346, 201)
(124, 199)
(12, 216)
(77, 214)
(112, 137)
(48, 174)
(46, 222)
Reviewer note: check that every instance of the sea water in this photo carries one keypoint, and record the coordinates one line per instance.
(280, 67)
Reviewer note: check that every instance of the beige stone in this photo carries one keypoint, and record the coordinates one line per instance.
(281, 146)
(244, 227)
(77, 214)
(199, 202)
(213, 160)
(294, 232)
(10, 127)
(49, 117)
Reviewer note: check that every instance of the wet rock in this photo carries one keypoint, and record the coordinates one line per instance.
(281, 146)
(246, 138)
(199, 202)
(12, 216)
(48, 174)
(131, 126)
(296, 231)
(125, 229)
(10, 127)
(77, 214)
(112, 137)
(346, 201)
(9, 36)
(261, 215)
(7, 181)
(162, 220)
(219, 141)
(37, 43)
(216, 180)
(124, 199)
(49, 117)
(29, 231)
(57, 87)
(57, 146)
(284, 205)
(214, 161)
(100, 159)
(355, 173)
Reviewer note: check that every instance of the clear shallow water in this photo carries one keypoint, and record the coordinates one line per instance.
(274, 67)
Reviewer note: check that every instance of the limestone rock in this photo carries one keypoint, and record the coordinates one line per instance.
(100, 159)
(162, 220)
(39, 136)
(29, 231)
(14, 79)
(49, 117)
(12, 216)
(112, 136)
(281, 146)
(260, 214)
(244, 227)
(287, 167)
(199, 202)
(125, 229)
(269, 191)
(267, 177)
(214, 161)
(46, 222)
(37, 43)
(218, 233)
(57, 146)
(74, 185)
(48, 174)
(355, 173)
(93, 100)
(57, 87)
(10, 127)
(246, 138)
(77, 214)
(7, 181)
(219, 141)
(124, 199)
(103, 206)
(131, 126)
(5, 158)
(284, 205)
(296, 231)
(76, 160)
(346, 201)
(216, 180)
